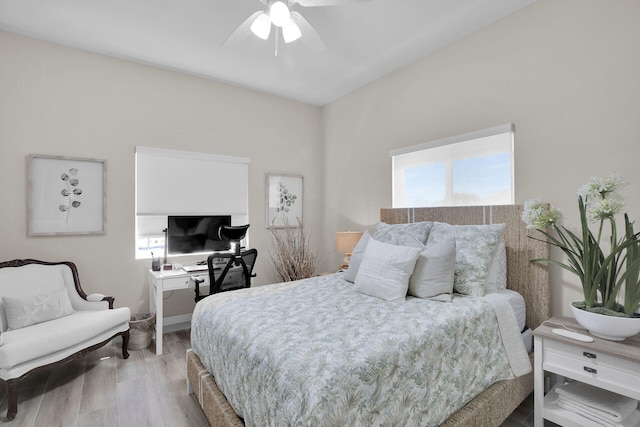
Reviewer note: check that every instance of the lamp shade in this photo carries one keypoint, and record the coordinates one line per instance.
(347, 240)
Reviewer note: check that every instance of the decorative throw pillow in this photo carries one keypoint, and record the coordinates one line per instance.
(434, 270)
(414, 234)
(475, 247)
(385, 270)
(356, 257)
(497, 277)
(29, 310)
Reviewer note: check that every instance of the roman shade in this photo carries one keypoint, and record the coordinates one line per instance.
(174, 182)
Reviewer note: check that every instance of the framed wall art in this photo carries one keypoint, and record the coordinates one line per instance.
(67, 195)
(284, 201)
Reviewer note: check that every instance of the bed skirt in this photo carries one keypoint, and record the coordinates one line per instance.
(489, 408)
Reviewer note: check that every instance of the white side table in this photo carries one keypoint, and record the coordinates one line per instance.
(610, 365)
(168, 280)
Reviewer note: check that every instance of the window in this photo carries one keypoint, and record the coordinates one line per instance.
(173, 182)
(475, 168)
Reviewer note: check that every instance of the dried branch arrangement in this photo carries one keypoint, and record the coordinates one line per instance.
(292, 255)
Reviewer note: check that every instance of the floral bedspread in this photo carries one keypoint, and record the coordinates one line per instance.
(317, 353)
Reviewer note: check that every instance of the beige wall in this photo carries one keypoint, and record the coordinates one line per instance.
(565, 72)
(62, 101)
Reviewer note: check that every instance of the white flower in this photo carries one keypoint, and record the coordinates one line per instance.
(601, 196)
(602, 188)
(605, 208)
(537, 214)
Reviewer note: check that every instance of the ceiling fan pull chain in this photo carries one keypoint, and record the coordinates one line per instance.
(277, 39)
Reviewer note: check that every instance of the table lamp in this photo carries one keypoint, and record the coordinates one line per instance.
(345, 242)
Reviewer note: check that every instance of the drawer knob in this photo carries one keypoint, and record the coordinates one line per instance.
(590, 370)
(589, 355)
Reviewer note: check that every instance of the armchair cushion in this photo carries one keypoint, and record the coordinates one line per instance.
(72, 333)
(26, 310)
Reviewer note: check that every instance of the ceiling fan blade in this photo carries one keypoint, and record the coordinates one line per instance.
(309, 36)
(313, 3)
(243, 31)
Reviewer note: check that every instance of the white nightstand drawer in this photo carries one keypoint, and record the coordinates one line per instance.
(605, 373)
(592, 357)
(609, 365)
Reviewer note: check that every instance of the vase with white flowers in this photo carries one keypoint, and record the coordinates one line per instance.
(608, 267)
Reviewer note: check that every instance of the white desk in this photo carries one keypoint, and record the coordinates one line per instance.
(170, 280)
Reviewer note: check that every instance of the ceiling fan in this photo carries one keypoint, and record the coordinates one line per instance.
(290, 23)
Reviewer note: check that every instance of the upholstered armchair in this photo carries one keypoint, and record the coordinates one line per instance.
(46, 320)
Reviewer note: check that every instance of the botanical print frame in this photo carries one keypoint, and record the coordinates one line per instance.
(284, 200)
(67, 195)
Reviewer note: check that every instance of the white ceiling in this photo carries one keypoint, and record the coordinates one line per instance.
(365, 40)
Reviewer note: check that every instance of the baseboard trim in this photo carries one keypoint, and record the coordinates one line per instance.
(176, 323)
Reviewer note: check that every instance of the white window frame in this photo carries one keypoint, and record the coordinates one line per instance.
(445, 151)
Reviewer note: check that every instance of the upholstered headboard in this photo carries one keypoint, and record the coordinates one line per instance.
(530, 280)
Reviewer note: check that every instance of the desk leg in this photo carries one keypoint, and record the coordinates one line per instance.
(155, 299)
(538, 384)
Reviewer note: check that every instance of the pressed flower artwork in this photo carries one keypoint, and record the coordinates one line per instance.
(66, 195)
(284, 201)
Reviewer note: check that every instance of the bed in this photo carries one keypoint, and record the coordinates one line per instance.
(490, 407)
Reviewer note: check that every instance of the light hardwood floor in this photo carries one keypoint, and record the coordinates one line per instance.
(102, 389)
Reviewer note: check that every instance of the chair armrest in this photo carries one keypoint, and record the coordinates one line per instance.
(100, 297)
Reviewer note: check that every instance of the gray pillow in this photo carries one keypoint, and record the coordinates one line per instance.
(434, 270)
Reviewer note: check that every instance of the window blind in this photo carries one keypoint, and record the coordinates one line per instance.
(174, 182)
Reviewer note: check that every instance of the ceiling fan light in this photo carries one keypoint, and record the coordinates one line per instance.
(261, 27)
(279, 13)
(290, 32)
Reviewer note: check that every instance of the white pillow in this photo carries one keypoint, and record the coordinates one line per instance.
(385, 270)
(434, 270)
(28, 310)
(356, 257)
(497, 278)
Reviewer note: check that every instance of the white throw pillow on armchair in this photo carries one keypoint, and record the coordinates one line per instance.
(27, 310)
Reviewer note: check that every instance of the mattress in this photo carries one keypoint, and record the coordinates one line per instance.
(315, 352)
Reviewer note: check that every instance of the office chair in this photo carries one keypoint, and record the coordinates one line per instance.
(217, 274)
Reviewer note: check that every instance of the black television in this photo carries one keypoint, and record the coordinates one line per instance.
(189, 234)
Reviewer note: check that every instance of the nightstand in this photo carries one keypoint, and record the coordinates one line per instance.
(609, 365)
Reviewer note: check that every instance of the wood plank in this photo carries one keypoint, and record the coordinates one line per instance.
(61, 400)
